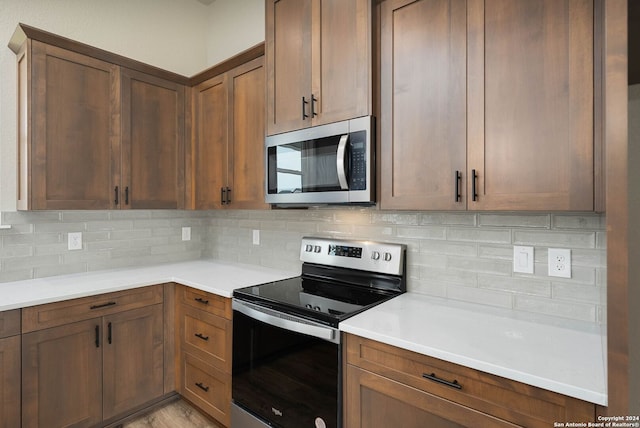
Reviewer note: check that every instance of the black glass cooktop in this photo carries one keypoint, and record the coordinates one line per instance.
(319, 300)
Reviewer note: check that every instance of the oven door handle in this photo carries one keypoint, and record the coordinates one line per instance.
(260, 314)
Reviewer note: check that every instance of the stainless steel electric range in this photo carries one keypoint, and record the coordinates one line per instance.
(287, 356)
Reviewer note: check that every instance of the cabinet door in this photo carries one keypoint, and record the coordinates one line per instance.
(133, 359)
(288, 56)
(152, 142)
(423, 100)
(75, 130)
(373, 401)
(10, 382)
(341, 60)
(531, 104)
(247, 130)
(62, 376)
(211, 134)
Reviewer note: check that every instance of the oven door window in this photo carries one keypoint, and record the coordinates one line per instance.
(304, 167)
(284, 377)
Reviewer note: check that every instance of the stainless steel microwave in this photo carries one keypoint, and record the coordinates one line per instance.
(326, 164)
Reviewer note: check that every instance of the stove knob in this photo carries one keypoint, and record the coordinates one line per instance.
(387, 257)
(308, 306)
(317, 248)
(375, 255)
(317, 308)
(308, 248)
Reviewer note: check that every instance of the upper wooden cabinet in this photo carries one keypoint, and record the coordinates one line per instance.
(68, 129)
(94, 134)
(319, 62)
(228, 139)
(152, 141)
(488, 105)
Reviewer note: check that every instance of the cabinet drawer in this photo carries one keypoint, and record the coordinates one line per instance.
(9, 323)
(207, 336)
(209, 302)
(509, 400)
(69, 311)
(207, 387)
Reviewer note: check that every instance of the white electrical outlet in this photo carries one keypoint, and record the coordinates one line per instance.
(256, 237)
(186, 233)
(523, 259)
(74, 240)
(560, 262)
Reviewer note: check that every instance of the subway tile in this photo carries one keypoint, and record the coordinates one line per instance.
(564, 309)
(129, 214)
(16, 275)
(72, 257)
(472, 264)
(446, 247)
(273, 225)
(57, 248)
(30, 217)
(417, 259)
(589, 258)
(249, 224)
(352, 216)
(130, 234)
(306, 227)
(335, 229)
(449, 219)
(480, 296)
(148, 223)
(429, 287)
(515, 285)
(84, 216)
(497, 236)
(11, 251)
(406, 219)
(17, 229)
(555, 239)
(582, 222)
(65, 269)
(424, 232)
(579, 292)
(496, 252)
(31, 238)
(601, 240)
(378, 233)
(59, 227)
(444, 275)
(29, 262)
(515, 220)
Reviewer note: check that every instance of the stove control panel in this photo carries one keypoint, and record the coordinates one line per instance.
(381, 257)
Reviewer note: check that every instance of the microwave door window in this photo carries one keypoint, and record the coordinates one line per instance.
(303, 167)
(288, 169)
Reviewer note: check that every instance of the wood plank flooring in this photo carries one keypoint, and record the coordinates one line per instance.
(177, 414)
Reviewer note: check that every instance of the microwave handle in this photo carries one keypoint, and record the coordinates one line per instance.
(342, 173)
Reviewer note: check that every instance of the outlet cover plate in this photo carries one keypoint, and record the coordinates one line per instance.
(74, 240)
(256, 237)
(560, 262)
(523, 259)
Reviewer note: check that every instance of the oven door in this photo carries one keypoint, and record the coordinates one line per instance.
(281, 374)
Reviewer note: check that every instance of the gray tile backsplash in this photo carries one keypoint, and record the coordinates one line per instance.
(463, 256)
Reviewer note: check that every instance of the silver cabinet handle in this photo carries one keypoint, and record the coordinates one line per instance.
(286, 322)
(342, 173)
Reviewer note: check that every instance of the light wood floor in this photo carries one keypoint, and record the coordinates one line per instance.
(177, 414)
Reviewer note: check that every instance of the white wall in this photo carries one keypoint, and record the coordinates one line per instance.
(235, 25)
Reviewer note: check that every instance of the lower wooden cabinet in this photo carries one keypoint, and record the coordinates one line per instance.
(10, 369)
(204, 336)
(87, 371)
(387, 386)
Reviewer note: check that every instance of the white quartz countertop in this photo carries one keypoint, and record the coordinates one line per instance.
(561, 356)
(214, 276)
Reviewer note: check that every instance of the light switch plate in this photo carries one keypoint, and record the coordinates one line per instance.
(74, 240)
(523, 259)
(560, 262)
(256, 237)
(186, 233)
